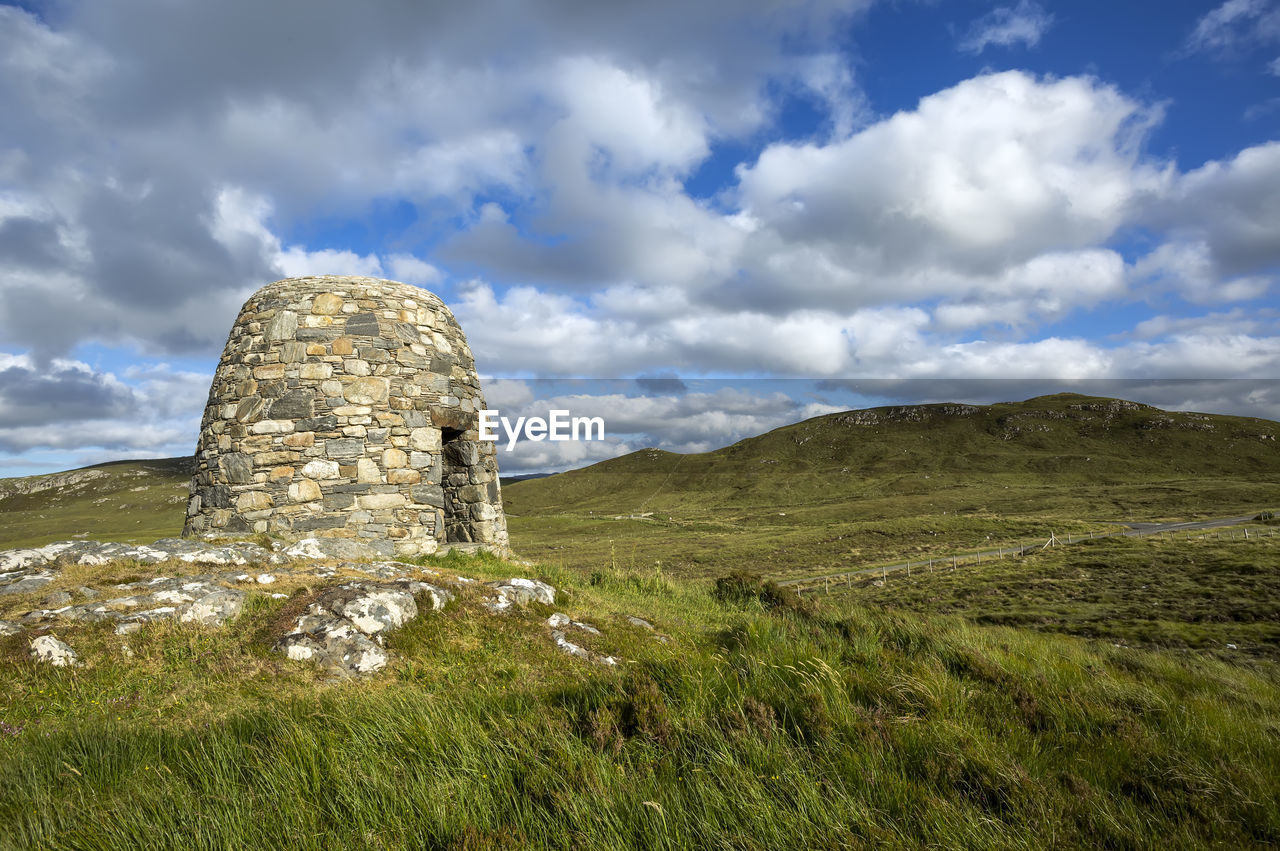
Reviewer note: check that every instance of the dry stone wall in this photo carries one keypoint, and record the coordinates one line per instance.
(347, 407)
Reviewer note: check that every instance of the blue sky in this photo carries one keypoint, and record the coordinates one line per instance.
(779, 196)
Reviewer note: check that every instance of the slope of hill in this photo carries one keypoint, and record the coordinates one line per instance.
(900, 452)
(852, 488)
(133, 501)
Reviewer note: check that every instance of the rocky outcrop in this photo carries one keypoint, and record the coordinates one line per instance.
(342, 628)
(347, 408)
(51, 651)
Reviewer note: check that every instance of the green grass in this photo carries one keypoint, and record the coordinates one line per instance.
(1180, 592)
(830, 494)
(986, 708)
(787, 727)
(130, 501)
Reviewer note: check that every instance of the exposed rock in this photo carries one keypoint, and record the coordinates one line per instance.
(520, 592)
(215, 608)
(338, 548)
(341, 630)
(46, 648)
(560, 623)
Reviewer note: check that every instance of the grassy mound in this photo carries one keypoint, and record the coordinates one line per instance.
(754, 725)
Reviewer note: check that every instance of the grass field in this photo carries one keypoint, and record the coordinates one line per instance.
(753, 727)
(1081, 696)
(132, 501)
(850, 490)
(1184, 592)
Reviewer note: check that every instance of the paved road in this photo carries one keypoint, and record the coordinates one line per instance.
(1133, 530)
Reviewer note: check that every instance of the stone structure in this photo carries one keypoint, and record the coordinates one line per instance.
(347, 407)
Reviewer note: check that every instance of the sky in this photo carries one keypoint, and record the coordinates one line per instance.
(697, 220)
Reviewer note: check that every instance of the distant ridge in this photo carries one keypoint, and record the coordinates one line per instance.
(919, 450)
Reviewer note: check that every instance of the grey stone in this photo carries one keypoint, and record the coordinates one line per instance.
(428, 495)
(326, 423)
(237, 467)
(339, 548)
(363, 325)
(51, 651)
(519, 591)
(215, 608)
(282, 326)
(294, 405)
(344, 448)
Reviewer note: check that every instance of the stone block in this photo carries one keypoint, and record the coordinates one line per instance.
(315, 371)
(236, 468)
(367, 471)
(375, 501)
(296, 404)
(366, 391)
(327, 304)
(253, 501)
(348, 447)
(319, 469)
(269, 370)
(304, 490)
(425, 439)
(281, 326)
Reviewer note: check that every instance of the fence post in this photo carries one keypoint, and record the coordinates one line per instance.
(908, 568)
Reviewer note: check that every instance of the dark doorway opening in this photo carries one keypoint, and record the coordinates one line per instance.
(457, 459)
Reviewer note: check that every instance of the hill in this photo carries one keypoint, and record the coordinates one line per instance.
(132, 501)
(853, 487)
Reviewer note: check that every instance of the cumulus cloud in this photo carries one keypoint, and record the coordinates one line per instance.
(1006, 26)
(693, 420)
(537, 157)
(1233, 25)
(151, 412)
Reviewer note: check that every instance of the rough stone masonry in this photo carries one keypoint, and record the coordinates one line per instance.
(347, 407)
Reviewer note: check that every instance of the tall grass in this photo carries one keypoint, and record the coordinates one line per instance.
(754, 727)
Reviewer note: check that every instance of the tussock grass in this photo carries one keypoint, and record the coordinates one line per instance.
(757, 726)
(1185, 592)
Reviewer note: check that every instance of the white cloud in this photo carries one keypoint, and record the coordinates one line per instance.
(1006, 26)
(1234, 24)
(413, 270)
(1188, 268)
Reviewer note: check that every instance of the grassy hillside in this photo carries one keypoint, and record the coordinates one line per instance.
(1218, 595)
(760, 724)
(945, 457)
(856, 488)
(132, 501)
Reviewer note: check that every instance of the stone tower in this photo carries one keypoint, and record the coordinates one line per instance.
(347, 407)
